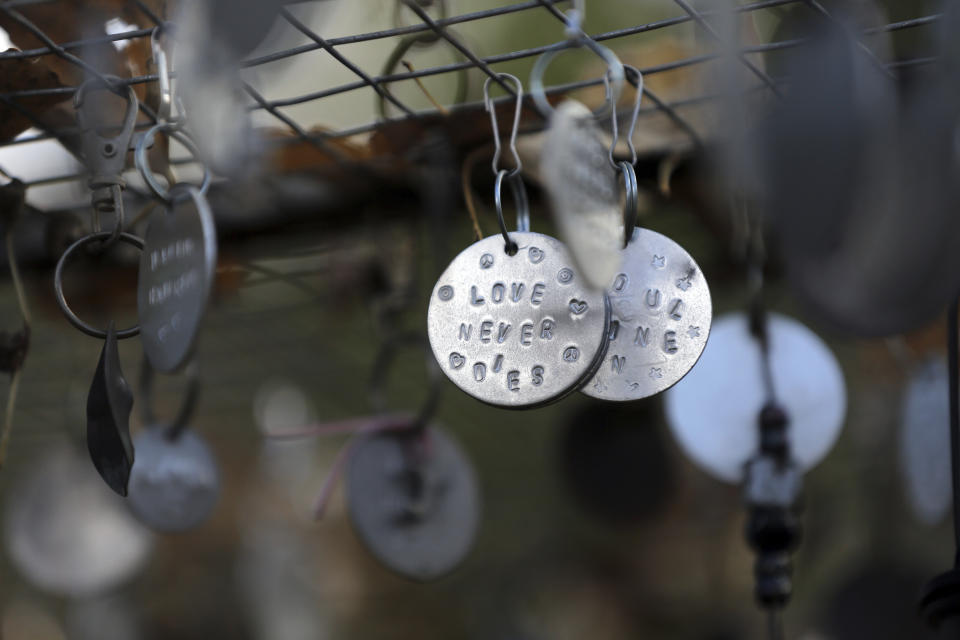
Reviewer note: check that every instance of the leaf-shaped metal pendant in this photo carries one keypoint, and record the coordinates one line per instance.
(108, 418)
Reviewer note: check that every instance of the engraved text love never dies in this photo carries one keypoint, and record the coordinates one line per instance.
(660, 322)
(517, 330)
(176, 275)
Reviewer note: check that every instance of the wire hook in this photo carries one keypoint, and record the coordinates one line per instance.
(634, 114)
(492, 110)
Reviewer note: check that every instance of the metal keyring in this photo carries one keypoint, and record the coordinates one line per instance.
(381, 366)
(520, 199)
(631, 202)
(614, 72)
(143, 165)
(187, 408)
(514, 129)
(72, 317)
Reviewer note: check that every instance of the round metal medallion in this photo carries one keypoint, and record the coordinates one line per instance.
(174, 484)
(517, 331)
(413, 501)
(660, 321)
(176, 275)
(713, 410)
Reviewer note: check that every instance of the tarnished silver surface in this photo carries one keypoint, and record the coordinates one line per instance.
(517, 331)
(925, 442)
(713, 411)
(174, 484)
(413, 501)
(176, 275)
(67, 533)
(583, 191)
(660, 320)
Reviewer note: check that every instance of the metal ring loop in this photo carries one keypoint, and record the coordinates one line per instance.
(492, 110)
(390, 66)
(187, 407)
(614, 72)
(160, 60)
(633, 117)
(632, 200)
(72, 317)
(386, 357)
(520, 200)
(143, 165)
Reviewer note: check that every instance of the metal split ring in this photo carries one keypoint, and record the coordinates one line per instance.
(187, 407)
(631, 201)
(143, 165)
(72, 317)
(519, 193)
(614, 76)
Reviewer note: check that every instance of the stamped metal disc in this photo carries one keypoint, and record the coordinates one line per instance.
(413, 501)
(925, 442)
(174, 484)
(67, 533)
(660, 320)
(517, 331)
(176, 275)
(713, 410)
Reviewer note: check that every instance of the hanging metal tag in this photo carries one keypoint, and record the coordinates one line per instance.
(660, 321)
(108, 418)
(174, 484)
(517, 330)
(583, 192)
(414, 501)
(176, 276)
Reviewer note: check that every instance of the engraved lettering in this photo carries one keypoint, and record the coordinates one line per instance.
(526, 334)
(479, 371)
(516, 291)
(537, 375)
(497, 363)
(614, 330)
(536, 297)
(496, 294)
(616, 363)
(502, 332)
(513, 380)
(546, 329)
(670, 342)
(620, 282)
(475, 300)
(643, 336)
(465, 331)
(486, 327)
(676, 309)
(654, 297)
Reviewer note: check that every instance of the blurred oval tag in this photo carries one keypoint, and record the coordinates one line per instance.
(583, 192)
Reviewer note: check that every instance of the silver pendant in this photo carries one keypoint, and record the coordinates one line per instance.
(413, 501)
(66, 533)
(660, 320)
(174, 484)
(713, 411)
(584, 196)
(176, 275)
(517, 331)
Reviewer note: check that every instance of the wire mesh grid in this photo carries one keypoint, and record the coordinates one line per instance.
(437, 29)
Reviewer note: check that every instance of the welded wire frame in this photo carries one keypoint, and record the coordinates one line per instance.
(485, 64)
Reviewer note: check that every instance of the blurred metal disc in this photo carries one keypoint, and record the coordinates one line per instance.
(925, 442)
(67, 533)
(713, 411)
(174, 484)
(660, 320)
(520, 330)
(413, 501)
(176, 275)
